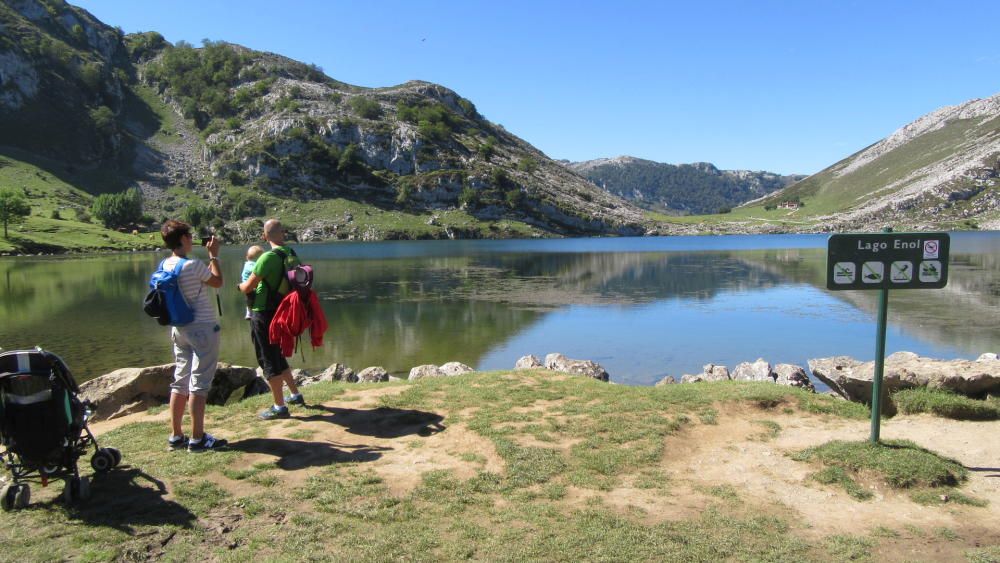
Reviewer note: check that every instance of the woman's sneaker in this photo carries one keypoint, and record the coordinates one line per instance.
(207, 442)
(275, 413)
(296, 399)
(175, 443)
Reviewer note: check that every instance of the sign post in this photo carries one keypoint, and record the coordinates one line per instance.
(882, 262)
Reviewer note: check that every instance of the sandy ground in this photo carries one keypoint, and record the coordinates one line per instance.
(401, 445)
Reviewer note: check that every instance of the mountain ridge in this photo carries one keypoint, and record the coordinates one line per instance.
(695, 188)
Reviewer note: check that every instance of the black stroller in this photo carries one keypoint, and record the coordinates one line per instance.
(43, 428)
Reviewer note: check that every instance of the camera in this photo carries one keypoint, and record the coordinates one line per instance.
(205, 240)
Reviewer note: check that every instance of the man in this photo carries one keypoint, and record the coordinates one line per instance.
(196, 345)
(269, 283)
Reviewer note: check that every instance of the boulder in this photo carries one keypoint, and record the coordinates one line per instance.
(374, 374)
(426, 370)
(528, 362)
(587, 368)
(668, 380)
(852, 379)
(988, 357)
(336, 372)
(710, 372)
(757, 371)
(455, 368)
(131, 390)
(128, 390)
(229, 378)
(795, 376)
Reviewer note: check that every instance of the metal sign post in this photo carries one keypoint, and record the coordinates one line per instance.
(886, 261)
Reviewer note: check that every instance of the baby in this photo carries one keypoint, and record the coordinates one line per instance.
(253, 253)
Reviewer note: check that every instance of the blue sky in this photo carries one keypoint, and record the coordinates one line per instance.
(785, 86)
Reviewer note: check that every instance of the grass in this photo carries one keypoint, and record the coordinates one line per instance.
(900, 464)
(944, 404)
(989, 554)
(230, 505)
(938, 497)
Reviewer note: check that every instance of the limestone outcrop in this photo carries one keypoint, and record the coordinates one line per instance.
(559, 362)
(852, 379)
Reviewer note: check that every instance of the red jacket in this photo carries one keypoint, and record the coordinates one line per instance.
(294, 315)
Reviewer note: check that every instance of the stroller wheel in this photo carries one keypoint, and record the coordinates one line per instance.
(102, 460)
(7, 497)
(23, 496)
(115, 453)
(76, 489)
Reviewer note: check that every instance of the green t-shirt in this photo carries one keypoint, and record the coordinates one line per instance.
(273, 277)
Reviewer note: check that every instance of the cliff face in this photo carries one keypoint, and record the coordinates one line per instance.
(62, 82)
(698, 188)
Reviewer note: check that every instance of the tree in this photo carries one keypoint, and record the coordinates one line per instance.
(118, 210)
(13, 208)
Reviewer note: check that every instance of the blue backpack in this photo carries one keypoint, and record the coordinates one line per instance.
(164, 302)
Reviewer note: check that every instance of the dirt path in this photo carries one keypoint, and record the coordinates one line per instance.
(736, 454)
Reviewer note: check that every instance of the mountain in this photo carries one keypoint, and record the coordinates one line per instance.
(222, 135)
(698, 188)
(940, 171)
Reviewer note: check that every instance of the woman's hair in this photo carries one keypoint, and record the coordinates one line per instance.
(172, 231)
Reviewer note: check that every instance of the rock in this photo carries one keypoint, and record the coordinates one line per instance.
(130, 390)
(229, 378)
(668, 380)
(853, 379)
(528, 362)
(455, 368)
(988, 357)
(757, 371)
(795, 376)
(374, 374)
(426, 370)
(558, 362)
(336, 372)
(710, 372)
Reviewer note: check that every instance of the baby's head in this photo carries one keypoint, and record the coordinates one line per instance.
(254, 252)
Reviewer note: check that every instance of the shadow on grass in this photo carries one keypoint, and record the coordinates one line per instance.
(121, 501)
(299, 454)
(382, 422)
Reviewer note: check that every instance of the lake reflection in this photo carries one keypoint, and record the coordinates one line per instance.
(643, 308)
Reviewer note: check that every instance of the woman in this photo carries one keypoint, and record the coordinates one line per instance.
(196, 345)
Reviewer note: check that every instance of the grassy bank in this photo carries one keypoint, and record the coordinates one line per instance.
(497, 466)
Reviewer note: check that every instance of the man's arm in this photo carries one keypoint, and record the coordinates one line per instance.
(250, 285)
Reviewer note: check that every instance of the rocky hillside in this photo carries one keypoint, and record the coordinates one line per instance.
(698, 188)
(223, 135)
(940, 171)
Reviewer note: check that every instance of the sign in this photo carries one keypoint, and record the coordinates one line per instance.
(887, 261)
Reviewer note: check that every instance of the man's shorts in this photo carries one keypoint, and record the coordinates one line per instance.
(269, 356)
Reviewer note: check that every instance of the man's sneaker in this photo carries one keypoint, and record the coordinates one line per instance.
(177, 443)
(207, 442)
(296, 399)
(275, 413)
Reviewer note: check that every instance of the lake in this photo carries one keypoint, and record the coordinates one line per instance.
(642, 307)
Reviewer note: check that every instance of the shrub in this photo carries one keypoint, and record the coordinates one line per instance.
(118, 210)
(487, 149)
(366, 107)
(237, 178)
(514, 198)
(55, 215)
(944, 404)
(469, 197)
(198, 215)
(403, 191)
(498, 177)
(527, 164)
